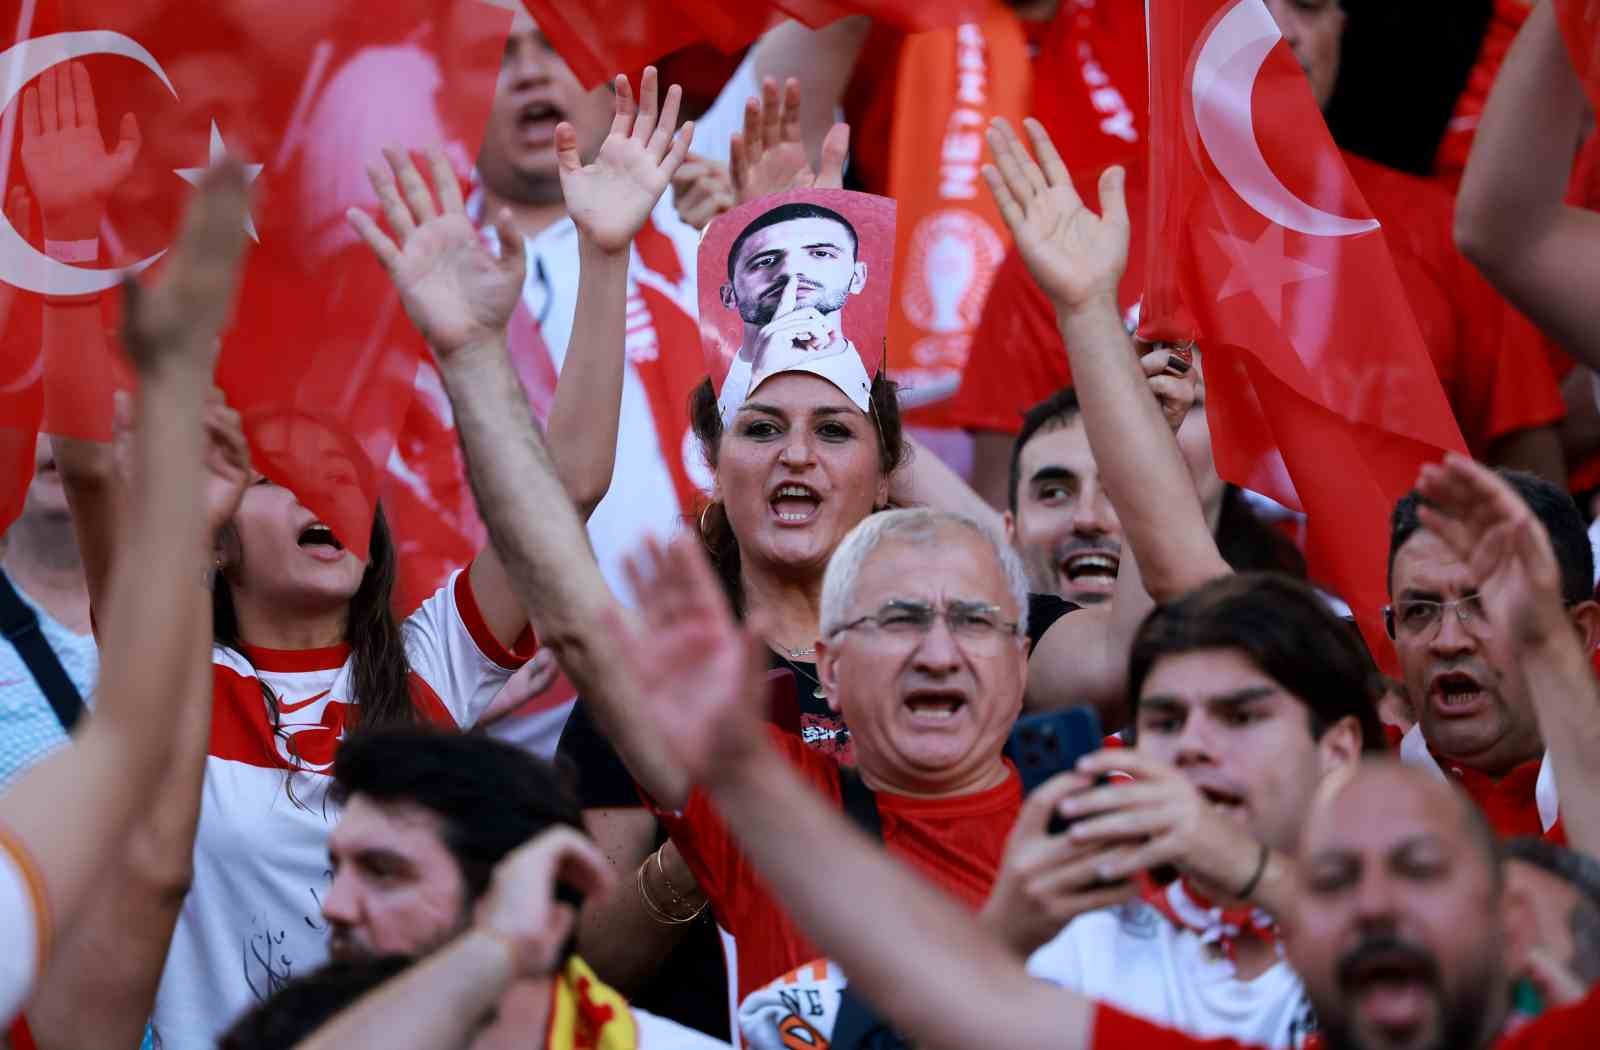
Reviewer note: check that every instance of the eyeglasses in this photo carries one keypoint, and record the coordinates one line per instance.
(908, 621)
(1421, 617)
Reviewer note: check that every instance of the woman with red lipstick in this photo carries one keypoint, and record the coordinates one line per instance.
(306, 644)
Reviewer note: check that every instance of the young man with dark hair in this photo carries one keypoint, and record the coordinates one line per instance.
(1476, 718)
(1059, 518)
(1247, 694)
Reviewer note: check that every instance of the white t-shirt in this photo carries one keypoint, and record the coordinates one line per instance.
(1135, 959)
(253, 917)
(24, 926)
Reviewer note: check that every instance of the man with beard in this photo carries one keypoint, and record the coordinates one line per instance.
(790, 273)
(429, 816)
(1060, 520)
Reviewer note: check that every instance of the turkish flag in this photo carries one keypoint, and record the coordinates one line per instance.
(601, 38)
(1580, 25)
(1321, 392)
(114, 109)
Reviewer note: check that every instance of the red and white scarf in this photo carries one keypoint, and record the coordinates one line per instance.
(1189, 909)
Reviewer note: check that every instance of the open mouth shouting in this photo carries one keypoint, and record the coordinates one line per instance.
(1392, 985)
(1456, 694)
(319, 541)
(932, 706)
(536, 122)
(1092, 571)
(794, 504)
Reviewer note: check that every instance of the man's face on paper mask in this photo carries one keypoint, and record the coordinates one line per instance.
(816, 252)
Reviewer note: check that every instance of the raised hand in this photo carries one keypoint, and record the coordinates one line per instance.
(610, 199)
(64, 157)
(701, 190)
(703, 670)
(1172, 821)
(227, 459)
(1048, 879)
(455, 290)
(1076, 256)
(180, 316)
(1174, 382)
(1504, 545)
(768, 156)
(530, 680)
(521, 909)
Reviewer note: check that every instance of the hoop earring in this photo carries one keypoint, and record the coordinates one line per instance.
(704, 511)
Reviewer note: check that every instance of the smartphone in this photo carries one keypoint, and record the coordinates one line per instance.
(1043, 745)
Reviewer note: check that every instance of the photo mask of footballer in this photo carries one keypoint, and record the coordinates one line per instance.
(801, 284)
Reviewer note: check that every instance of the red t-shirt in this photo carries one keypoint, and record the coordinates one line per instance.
(1570, 1027)
(956, 842)
(1509, 803)
(1488, 356)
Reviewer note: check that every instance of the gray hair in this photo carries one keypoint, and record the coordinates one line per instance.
(917, 525)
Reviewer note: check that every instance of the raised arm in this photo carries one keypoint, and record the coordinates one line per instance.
(1511, 219)
(72, 812)
(72, 174)
(918, 956)
(1489, 527)
(1077, 258)
(609, 201)
(823, 60)
(461, 297)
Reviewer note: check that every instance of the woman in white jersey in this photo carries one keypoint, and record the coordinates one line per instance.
(306, 644)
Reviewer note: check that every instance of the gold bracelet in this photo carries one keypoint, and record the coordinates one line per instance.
(659, 914)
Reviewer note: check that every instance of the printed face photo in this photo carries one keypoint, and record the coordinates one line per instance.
(816, 252)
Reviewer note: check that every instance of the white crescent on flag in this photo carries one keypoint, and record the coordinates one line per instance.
(21, 264)
(1225, 74)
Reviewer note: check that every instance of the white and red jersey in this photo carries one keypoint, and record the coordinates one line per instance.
(253, 917)
(24, 926)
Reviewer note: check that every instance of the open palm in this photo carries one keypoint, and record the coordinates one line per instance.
(455, 290)
(1487, 525)
(610, 198)
(65, 159)
(1074, 254)
(690, 654)
(770, 157)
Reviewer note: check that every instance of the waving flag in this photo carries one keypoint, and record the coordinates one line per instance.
(112, 112)
(1322, 392)
(601, 38)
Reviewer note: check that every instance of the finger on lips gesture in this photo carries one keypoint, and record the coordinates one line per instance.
(1076, 256)
(769, 155)
(610, 198)
(455, 290)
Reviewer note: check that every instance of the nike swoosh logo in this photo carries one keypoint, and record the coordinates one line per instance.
(289, 709)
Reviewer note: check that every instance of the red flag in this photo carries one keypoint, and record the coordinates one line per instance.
(320, 359)
(1261, 246)
(601, 38)
(1580, 25)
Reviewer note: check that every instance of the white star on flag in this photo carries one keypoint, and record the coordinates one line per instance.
(218, 151)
